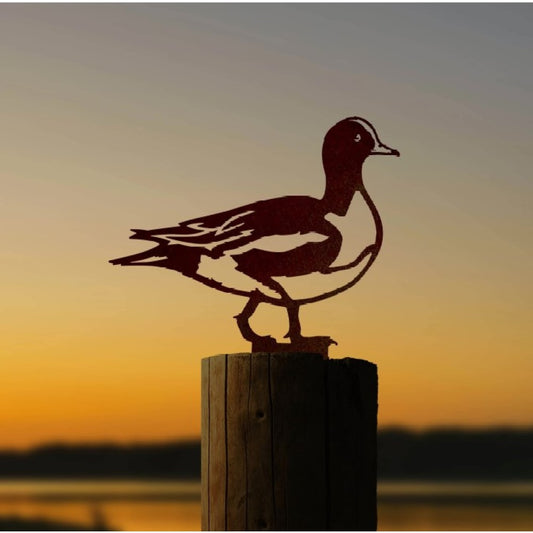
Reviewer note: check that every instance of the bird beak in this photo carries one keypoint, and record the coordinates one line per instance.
(381, 149)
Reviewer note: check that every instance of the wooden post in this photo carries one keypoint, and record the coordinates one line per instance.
(288, 442)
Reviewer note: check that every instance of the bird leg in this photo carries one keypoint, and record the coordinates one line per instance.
(301, 343)
(298, 341)
(244, 325)
(295, 329)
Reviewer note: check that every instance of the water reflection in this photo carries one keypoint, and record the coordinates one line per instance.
(438, 516)
(136, 515)
(175, 506)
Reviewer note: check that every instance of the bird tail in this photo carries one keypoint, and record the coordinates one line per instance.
(139, 259)
(147, 235)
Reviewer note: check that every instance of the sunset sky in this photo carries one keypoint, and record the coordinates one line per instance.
(125, 116)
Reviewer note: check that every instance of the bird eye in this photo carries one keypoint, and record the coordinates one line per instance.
(357, 138)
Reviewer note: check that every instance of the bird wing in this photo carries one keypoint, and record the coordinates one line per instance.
(206, 232)
(295, 220)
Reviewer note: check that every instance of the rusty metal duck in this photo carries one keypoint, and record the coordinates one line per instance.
(255, 250)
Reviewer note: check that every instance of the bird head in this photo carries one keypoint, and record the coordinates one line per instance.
(350, 142)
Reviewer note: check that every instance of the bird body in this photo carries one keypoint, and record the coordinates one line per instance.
(257, 249)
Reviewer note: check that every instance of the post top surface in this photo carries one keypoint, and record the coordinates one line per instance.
(348, 361)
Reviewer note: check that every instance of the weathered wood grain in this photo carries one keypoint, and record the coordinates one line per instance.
(290, 443)
(238, 395)
(205, 444)
(299, 428)
(352, 419)
(366, 458)
(259, 447)
(217, 443)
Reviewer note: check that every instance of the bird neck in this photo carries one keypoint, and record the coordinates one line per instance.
(377, 219)
(341, 185)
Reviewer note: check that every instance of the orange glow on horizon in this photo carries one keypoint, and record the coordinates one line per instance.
(220, 106)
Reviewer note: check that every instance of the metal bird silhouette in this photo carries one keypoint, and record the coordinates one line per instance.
(240, 241)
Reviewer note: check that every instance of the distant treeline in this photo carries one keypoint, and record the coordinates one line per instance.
(173, 460)
(502, 454)
(452, 454)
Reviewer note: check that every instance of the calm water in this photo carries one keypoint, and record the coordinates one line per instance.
(171, 506)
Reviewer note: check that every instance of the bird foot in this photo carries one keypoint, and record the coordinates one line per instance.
(264, 344)
(300, 344)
